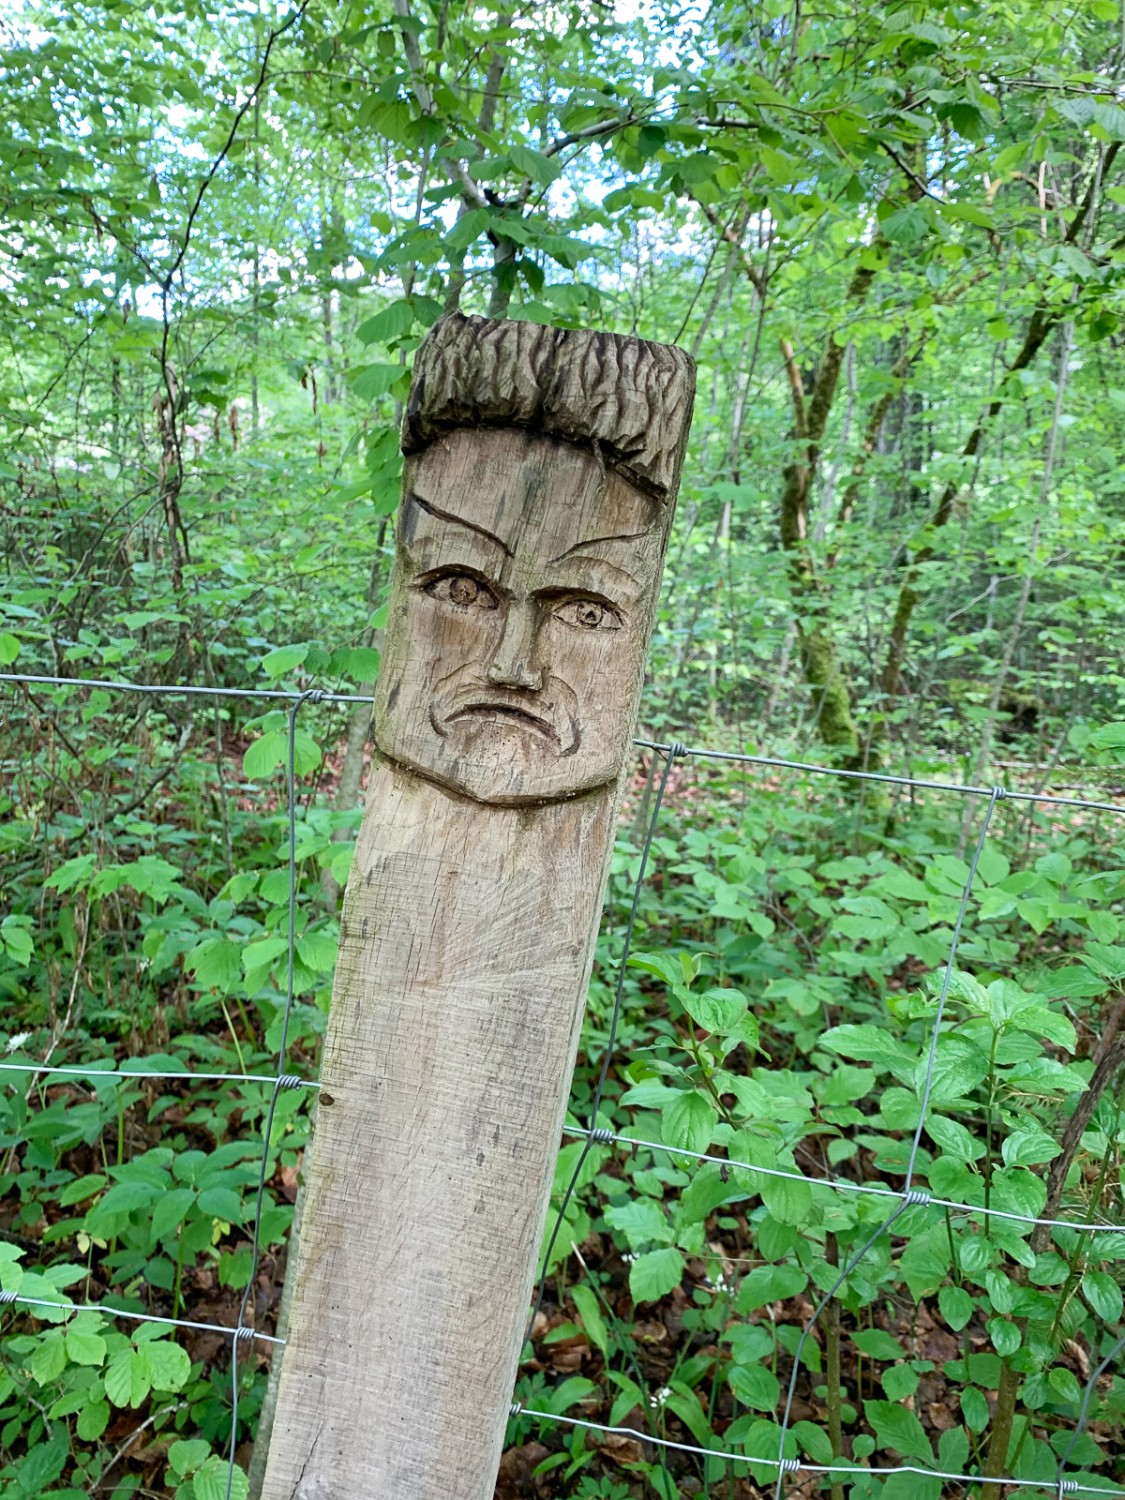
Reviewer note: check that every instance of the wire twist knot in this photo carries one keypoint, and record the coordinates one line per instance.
(314, 695)
(998, 795)
(788, 1465)
(917, 1198)
(677, 750)
(1067, 1487)
(290, 1081)
(8, 1296)
(243, 1333)
(515, 1409)
(601, 1136)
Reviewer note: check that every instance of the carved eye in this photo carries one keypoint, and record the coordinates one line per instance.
(588, 614)
(462, 590)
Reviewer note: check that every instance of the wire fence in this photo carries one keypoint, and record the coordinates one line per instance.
(909, 1198)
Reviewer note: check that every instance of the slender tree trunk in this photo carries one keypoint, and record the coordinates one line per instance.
(1042, 321)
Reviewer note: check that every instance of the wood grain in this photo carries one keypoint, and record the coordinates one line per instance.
(520, 615)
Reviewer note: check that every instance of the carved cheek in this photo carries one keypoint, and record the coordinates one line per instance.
(456, 635)
(598, 661)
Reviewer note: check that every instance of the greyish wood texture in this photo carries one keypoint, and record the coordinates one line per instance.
(537, 497)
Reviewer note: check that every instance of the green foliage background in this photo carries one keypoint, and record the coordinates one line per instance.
(892, 236)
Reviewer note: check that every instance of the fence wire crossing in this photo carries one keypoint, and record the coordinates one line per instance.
(907, 1198)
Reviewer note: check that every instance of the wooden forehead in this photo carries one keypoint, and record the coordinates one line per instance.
(508, 482)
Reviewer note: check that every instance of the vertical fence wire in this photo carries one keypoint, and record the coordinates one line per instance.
(281, 1080)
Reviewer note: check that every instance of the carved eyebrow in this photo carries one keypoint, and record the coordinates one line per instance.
(445, 515)
(596, 541)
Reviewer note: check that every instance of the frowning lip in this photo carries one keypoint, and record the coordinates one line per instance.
(505, 714)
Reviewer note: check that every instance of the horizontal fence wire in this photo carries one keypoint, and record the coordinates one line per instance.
(906, 1198)
(689, 752)
(794, 1466)
(92, 1073)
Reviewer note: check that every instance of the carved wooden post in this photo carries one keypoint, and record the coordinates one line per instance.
(537, 496)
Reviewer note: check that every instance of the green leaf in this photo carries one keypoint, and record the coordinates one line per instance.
(1026, 1148)
(93, 1421)
(878, 1345)
(43, 1464)
(317, 951)
(654, 1275)
(216, 963)
(765, 1284)
(266, 754)
(74, 872)
(127, 1378)
(591, 1314)
(187, 1454)
(468, 228)
(360, 663)
(221, 1203)
(899, 1429)
(1103, 1294)
(756, 1386)
(49, 1359)
(974, 1409)
(533, 164)
(689, 1121)
(788, 1200)
(81, 1188)
(865, 1043)
(171, 1212)
(1005, 1336)
(642, 1221)
(167, 1365)
(815, 1441)
(9, 649)
(209, 1482)
(283, 660)
(84, 1346)
(391, 323)
(372, 381)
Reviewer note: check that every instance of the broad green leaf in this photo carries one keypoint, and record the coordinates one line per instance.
(689, 1121)
(187, 1454)
(877, 1345)
(765, 1284)
(653, 1276)
(49, 1359)
(391, 323)
(221, 1203)
(283, 660)
(756, 1386)
(93, 1421)
(1103, 1294)
(209, 1482)
(171, 1211)
(899, 1429)
(168, 1366)
(84, 1346)
(266, 754)
(128, 1377)
(533, 164)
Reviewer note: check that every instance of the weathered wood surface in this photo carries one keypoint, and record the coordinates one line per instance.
(520, 614)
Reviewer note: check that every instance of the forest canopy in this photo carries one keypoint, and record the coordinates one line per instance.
(892, 235)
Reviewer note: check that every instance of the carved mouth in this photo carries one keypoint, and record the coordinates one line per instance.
(507, 713)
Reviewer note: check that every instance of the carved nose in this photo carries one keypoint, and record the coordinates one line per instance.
(515, 663)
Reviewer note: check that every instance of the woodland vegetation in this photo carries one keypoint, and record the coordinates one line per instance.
(893, 236)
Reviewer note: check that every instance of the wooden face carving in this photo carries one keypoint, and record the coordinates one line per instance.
(519, 618)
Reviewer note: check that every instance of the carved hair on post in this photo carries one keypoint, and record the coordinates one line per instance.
(626, 397)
